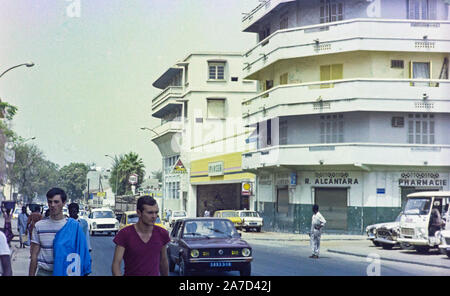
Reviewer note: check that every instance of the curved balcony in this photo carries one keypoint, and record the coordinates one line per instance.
(165, 100)
(359, 94)
(361, 155)
(169, 127)
(260, 12)
(346, 36)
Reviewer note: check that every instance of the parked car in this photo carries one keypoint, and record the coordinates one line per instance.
(251, 220)
(131, 217)
(176, 215)
(231, 215)
(445, 240)
(102, 220)
(415, 224)
(386, 234)
(205, 244)
(371, 231)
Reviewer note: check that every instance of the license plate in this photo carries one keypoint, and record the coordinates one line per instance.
(253, 223)
(220, 264)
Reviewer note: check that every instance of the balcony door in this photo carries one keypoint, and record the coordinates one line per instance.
(422, 9)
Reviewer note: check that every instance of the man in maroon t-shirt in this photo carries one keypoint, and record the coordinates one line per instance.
(142, 246)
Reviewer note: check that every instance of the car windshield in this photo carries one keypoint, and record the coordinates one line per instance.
(179, 214)
(102, 214)
(229, 214)
(210, 229)
(133, 219)
(249, 214)
(417, 206)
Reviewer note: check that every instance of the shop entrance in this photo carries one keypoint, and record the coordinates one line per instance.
(333, 206)
(219, 197)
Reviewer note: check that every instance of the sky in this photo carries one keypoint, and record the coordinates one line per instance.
(90, 90)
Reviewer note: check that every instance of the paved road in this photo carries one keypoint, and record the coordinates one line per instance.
(272, 258)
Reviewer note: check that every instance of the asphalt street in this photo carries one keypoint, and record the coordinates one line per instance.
(289, 258)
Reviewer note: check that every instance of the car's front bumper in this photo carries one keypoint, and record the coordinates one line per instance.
(385, 241)
(413, 241)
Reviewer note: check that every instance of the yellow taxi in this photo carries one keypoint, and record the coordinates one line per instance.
(131, 217)
(231, 215)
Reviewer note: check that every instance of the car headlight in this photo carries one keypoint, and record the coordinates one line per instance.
(117, 224)
(94, 225)
(421, 232)
(246, 252)
(195, 253)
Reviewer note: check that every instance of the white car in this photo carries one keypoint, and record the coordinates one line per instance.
(102, 220)
(445, 241)
(251, 220)
(176, 215)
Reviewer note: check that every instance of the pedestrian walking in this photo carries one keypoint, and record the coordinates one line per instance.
(142, 246)
(22, 221)
(317, 224)
(58, 245)
(5, 256)
(7, 214)
(74, 209)
(34, 217)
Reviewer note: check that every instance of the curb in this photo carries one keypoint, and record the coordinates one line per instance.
(388, 259)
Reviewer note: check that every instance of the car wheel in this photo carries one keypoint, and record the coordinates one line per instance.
(246, 270)
(448, 253)
(183, 268)
(258, 229)
(377, 244)
(405, 246)
(422, 249)
(387, 246)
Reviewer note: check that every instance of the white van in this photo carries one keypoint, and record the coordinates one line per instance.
(415, 222)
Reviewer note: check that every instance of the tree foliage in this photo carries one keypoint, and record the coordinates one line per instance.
(72, 178)
(123, 167)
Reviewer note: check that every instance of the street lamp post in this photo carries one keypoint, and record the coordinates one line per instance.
(149, 129)
(25, 64)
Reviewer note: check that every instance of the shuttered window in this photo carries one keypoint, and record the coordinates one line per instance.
(421, 129)
(332, 128)
(331, 72)
(216, 108)
(216, 71)
(331, 11)
(422, 9)
(284, 79)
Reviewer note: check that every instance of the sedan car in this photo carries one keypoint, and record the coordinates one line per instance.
(231, 215)
(250, 220)
(205, 244)
(131, 217)
(102, 220)
(176, 215)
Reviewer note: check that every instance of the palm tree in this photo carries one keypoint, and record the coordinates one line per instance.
(123, 167)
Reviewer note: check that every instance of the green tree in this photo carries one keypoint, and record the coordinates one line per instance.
(72, 178)
(123, 167)
(31, 173)
(157, 175)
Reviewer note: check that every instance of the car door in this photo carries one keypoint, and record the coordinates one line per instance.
(173, 245)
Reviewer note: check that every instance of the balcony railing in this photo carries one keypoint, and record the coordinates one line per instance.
(349, 154)
(349, 35)
(166, 93)
(425, 92)
(261, 10)
(167, 127)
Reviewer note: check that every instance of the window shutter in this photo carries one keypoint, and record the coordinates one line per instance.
(216, 108)
(284, 79)
(337, 71)
(432, 10)
(325, 73)
(411, 10)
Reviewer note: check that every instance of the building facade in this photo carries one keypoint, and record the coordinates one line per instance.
(353, 109)
(200, 111)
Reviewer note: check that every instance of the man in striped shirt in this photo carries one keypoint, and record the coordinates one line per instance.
(44, 233)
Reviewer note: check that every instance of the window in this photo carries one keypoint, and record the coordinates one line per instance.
(284, 79)
(269, 132)
(216, 70)
(283, 132)
(398, 64)
(268, 84)
(331, 11)
(169, 162)
(422, 9)
(332, 128)
(331, 72)
(284, 21)
(264, 33)
(421, 129)
(216, 108)
(420, 70)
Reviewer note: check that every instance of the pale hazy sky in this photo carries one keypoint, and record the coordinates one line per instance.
(91, 88)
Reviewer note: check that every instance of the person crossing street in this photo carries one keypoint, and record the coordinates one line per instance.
(317, 224)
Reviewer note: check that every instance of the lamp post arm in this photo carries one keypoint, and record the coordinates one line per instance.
(25, 64)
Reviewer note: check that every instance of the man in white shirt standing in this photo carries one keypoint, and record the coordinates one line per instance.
(5, 256)
(317, 223)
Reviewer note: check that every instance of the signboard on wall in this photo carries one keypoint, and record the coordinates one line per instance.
(179, 167)
(215, 168)
(246, 188)
(427, 179)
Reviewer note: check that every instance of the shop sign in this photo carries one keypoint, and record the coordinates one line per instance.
(265, 180)
(179, 168)
(422, 179)
(215, 168)
(332, 178)
(282, 179)
(246, 188)
(293, 179)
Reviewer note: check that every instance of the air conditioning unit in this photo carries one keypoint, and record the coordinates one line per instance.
(398, 122)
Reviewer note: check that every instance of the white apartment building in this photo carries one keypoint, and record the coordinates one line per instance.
(353, 109)
(200, 111)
